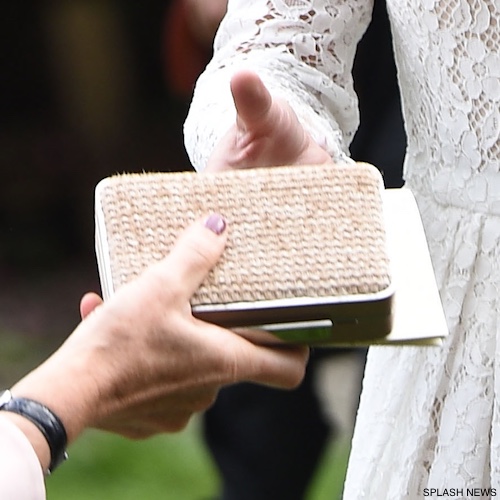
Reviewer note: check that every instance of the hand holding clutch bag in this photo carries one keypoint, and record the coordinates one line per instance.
(307, 252)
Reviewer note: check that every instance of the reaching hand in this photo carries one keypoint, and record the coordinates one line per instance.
(266, 133)
(142, 364)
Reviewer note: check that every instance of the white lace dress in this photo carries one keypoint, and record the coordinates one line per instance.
(429, 417)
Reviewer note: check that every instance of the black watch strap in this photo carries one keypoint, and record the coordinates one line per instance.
(46, 421)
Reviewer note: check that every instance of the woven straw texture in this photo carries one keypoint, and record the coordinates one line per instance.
(314, 231)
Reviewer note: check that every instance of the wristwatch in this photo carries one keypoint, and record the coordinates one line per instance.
(45, 420)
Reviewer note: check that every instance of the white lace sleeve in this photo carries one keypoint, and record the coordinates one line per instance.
(302, 49)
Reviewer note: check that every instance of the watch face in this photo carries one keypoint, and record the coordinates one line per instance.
(5, 397)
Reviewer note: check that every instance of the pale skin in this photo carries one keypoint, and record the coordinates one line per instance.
(141, 364)
(266, 133)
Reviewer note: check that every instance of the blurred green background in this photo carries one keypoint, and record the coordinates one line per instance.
(175, 467)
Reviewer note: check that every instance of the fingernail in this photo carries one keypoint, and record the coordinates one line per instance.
(216, 223)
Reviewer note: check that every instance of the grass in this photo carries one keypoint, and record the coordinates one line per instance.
(107, 467)
(103, 466)
(169, 467)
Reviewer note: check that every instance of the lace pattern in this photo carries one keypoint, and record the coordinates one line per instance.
(303, 50)
(449, 65)
(429, 417)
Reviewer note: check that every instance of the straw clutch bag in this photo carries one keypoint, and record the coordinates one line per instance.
(306, 256)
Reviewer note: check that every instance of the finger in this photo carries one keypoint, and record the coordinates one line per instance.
(194, 254)
(88, 303)
(252, 100)
(280, 366)
(276, 365)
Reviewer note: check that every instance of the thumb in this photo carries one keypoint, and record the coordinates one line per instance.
(88, 303)
(194, 254)
(252, 100)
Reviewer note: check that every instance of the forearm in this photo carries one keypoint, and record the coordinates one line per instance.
(303, 58)
(65, 384)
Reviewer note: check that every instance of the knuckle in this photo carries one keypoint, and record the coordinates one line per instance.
(199, 257)
(206, 400)
(176, 424)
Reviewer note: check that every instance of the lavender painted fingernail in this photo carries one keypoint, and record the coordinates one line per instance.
(216, 223)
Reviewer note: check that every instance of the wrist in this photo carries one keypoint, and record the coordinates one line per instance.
(43, 429)
(61, 384)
